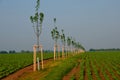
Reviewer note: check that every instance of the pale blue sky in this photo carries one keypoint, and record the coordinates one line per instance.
(94, 23)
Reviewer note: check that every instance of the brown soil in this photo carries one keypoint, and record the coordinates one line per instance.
(73, 73)
(109, 75)
(93, 74)
(85, 73)
(22, 72)
(115, 72)
(101, 74)
(99, 71)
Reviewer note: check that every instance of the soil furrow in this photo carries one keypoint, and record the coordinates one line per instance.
(73, 73)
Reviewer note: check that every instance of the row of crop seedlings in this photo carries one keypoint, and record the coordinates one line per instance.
(85, 69)
(105, 66)
(102, 63)
(96, 62)
(88, 68)
(102, 69)
(7, 69)
(109, 67)
(97, 66)
(82, 65)
(94, 67)
(13, 62)
(116, 67)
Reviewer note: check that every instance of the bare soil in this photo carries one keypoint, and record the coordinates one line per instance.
(93, 74)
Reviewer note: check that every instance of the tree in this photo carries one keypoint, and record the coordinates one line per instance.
(37, 21)
(68, 44)
(55, 36)
(63, 40)
(72, 45)
(68, 41)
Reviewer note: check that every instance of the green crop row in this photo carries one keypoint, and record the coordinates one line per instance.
(107, 62)
(10, 63)
(97, 65)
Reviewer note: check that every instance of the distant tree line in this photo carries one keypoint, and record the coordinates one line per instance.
(5, 52)
(13, 51)
(22, 51)
(110, 49)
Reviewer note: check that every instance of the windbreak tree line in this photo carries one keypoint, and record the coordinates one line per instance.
(68, 43)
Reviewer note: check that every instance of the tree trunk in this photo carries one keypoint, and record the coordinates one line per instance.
(41, 58)
(58, 52)
(34, 58)
(54, 51)
(62, 51)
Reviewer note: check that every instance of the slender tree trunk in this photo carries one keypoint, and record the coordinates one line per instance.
(34, 58)
(42, 58)
(58, 51)
(66, 51)
(54, 51)
(37, 34)
(56, 54)
(62, 51)
(38, 48)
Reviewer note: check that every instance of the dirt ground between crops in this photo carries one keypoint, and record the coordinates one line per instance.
(73, 73)
(22, 72)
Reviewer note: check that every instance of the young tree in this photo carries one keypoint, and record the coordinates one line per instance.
(63, 40)
(69, 41)
(37, 21)
(55, 36)
(73, 42)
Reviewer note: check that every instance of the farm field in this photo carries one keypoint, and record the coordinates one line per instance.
(100, 66)
(84, 66)
(10, 63)
(42, 40)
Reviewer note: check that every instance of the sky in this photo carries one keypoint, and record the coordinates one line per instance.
(93, 23)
